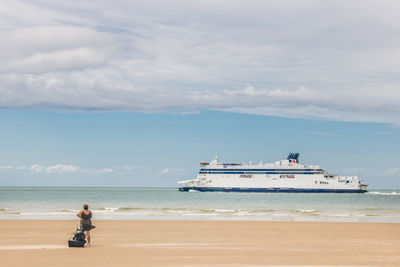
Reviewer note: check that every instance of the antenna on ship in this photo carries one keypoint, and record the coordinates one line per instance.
(215, 161)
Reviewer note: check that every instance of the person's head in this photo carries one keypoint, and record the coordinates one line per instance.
(85, 206)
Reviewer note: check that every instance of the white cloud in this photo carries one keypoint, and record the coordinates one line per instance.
(164, 171)
(69, 169)
(169, 170)
(105, 170)
(6, 167)
(62, 168)
(58, 168)
(392, 171)
(190, 112)
(262, 57)
(127, 168)
(37, 168)
(51, 48)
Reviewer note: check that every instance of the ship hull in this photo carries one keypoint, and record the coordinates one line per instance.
(271, 190)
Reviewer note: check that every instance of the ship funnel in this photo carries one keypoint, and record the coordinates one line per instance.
(293, 157)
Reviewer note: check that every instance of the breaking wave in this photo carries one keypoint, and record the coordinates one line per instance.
(12, 212)
(384, 193)
(65, 211)
(303, 211)
(128, 209)
(266, 210)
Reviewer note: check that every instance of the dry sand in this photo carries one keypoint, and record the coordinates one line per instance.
(201, 243)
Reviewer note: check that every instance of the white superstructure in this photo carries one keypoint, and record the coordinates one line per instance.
(282, 176)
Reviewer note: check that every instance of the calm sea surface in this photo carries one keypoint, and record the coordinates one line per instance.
(169, 203)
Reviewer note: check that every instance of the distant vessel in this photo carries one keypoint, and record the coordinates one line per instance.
(282, 176)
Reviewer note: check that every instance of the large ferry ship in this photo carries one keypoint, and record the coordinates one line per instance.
(282, 176)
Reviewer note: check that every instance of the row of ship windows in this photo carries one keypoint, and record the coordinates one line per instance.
(268, 176)
(282, 176)
(265, 170)
(260, 172)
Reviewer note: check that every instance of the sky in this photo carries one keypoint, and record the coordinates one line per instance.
(136, 93)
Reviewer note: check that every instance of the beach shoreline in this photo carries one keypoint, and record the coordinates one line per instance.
(202, 243)
(170, 204)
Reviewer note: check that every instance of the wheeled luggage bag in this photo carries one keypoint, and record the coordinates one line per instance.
(78, 240)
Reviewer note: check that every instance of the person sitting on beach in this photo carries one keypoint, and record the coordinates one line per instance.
(86, 222)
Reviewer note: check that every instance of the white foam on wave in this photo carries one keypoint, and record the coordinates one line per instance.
(4, 211)
(243, 213)
(105, 210)
(67, 211)
(341, 215)
(384, 193)
(304, 211)
(225, 211)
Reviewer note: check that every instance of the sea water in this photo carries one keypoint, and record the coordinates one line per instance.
(169, 203)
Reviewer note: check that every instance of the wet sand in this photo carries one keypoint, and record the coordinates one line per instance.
(201, 243)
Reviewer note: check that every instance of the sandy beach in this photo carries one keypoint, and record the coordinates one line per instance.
(202, 243)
